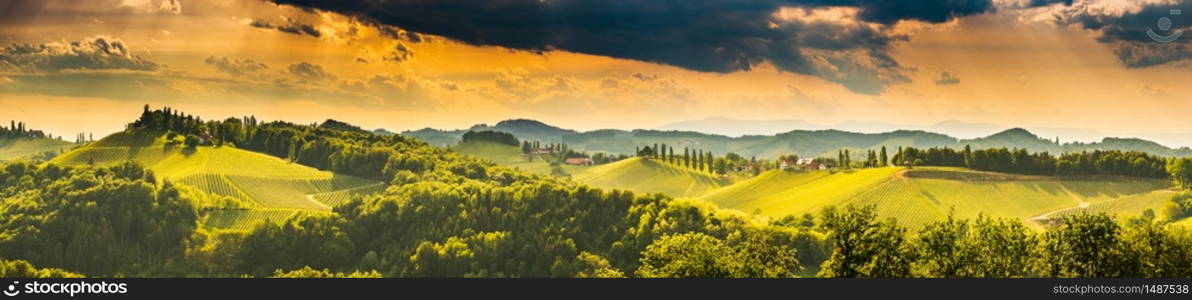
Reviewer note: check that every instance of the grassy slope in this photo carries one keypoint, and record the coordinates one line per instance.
(510, 156)
(648, 176)
(17, 148)
(227, 171)
(926, 194)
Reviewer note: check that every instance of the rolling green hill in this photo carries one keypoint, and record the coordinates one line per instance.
(648, 176)
(226, 171)
(13, 148)
(511, 156)
(918, 196)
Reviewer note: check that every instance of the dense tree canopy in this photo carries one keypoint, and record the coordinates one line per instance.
(105, 221)
(490, 136)
(1131, 163)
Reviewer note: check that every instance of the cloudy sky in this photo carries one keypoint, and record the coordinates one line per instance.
(71, 66)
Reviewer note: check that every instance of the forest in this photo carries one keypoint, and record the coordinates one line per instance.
(1019, 161)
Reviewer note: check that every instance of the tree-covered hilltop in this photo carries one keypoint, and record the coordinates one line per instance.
(1019, 161)
(17, 130)
(490, 136)
(19, 141)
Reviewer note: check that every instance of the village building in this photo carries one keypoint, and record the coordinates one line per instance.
(578, 161)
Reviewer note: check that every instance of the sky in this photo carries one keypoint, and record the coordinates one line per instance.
(89, 66)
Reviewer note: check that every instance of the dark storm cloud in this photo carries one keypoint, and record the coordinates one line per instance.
(1128, 31)
(1038, 3)
(701, 35)
(291, 28)
(892, 11)
(93, 53)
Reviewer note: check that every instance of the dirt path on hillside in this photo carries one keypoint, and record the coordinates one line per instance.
(311, 198)
(1083, 204)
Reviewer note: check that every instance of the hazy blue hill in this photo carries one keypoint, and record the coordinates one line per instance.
(1131, 144)
(529, 130)
(1015, 138)
(801, 142)
(739, 127)
(523, 129)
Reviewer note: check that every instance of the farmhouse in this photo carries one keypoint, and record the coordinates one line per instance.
(578, 161)
(786, 164)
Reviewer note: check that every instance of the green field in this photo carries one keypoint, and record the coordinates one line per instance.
(24, 147)
(227, 171)
(918, 196)
(512, 156)
(649, 176)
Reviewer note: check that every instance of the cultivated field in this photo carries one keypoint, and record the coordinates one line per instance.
(511, 156)
(227, 171)
(915, 197)
(23, 147)
(244, 219)
(648, 176)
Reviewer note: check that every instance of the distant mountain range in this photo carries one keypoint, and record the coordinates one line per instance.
(521, 128)
(811, 141)
(965, 130)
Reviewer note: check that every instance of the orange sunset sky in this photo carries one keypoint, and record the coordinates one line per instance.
(89, 66)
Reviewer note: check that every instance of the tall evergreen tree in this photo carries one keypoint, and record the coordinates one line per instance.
(885, 161)
(687, 157)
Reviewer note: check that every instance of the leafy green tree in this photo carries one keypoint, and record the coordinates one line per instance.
(594, 266)
(693, 254)
(1181, 172)
(864, 246)
(1084, 245)
(305, 239)
(1180, 206)
(23, 269)
(1151, 250)
(1005, 248)
(308, 272)
(985, 248)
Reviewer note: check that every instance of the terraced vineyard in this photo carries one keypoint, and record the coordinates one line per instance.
(22, 147)
(215, 184)
(243, 219)
(339, 197)
(227, 171)
(648, 176)
(1129, 205)
(915, 197)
